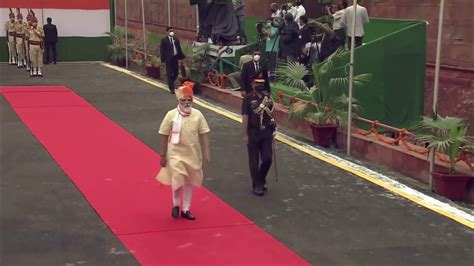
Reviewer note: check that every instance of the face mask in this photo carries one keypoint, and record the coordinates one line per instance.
(256, 58)
(171, 33)
(259, 88)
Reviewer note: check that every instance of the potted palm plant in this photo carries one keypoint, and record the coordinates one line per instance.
(153, 67)
(326, 107)
(199, 65)
(117, 48)
(446, 135)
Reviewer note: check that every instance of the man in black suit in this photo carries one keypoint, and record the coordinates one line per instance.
(252, 70)
(305, 35)
(50, 41)
(289, 39)
(170, 53)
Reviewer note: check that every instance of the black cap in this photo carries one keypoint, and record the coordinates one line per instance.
(169, 28)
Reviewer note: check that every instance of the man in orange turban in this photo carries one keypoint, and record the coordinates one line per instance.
(182, 132)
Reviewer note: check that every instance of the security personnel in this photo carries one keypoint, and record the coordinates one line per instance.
(27, 46)
(258, 130)
(10, 29)
(35, 41)
(20, 31)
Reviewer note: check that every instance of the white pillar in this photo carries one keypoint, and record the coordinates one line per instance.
(351, 79)
(436, 81)
(126, 36)
(144, 30)
(169, 13)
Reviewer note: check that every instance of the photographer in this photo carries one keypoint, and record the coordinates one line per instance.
(289, 39)
(305, 32)
(272, 46)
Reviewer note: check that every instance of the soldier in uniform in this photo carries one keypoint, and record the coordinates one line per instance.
(27, 48)
(10, 30)
(20, 31)
(35, 42)
(258, 130)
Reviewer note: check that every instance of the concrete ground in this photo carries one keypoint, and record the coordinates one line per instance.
(326, 215)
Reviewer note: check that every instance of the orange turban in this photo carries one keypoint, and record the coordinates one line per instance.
(186, 90)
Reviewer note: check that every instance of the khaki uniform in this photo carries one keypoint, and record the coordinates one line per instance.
(10, 28)
(35, 42)
(20, 30)
(27, 47)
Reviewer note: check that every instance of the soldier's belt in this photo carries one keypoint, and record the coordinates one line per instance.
(20, 34)
(12, 34)
(34, 42)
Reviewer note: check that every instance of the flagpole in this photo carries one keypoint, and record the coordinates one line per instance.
(169, 13)
(436, 82)
(144, 31)
(115, 15)
(126, 36)
(351, 78)
(197, 20)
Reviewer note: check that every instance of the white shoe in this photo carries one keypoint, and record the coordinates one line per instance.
(31, 73)
(27, 67)
(39, 73)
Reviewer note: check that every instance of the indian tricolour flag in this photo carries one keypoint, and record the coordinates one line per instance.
(81, 25)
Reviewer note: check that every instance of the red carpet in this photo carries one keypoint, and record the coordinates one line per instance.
(115, 172)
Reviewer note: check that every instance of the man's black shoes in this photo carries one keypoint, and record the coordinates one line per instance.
(258, 191)
(188, 215)
(175, 212)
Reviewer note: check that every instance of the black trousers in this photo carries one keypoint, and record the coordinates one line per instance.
(172, 72)
(50, 47)
(358, 41)
(260, 148)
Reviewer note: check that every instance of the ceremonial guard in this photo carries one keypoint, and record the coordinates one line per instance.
(258, 130)
(20, 31)
(27, 48)
(35, 42)
(10, 30)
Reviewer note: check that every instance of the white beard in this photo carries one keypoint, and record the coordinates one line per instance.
(187, 109)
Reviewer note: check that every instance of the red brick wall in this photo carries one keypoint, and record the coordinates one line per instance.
(456, 87)
(458, 32)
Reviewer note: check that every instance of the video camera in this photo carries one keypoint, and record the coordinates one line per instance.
(259, 26)
(278, 23)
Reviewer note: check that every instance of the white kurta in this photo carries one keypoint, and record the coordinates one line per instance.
(184, 159)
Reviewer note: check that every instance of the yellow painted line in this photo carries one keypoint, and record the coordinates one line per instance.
(317, 155)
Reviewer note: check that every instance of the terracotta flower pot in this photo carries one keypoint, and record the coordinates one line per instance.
(121, 62)
(450, 186)
(324, 135)
(153, 71)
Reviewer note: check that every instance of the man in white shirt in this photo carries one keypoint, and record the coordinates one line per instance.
(276, 11)
(337, 25)
(300, 10)
(292, 9)
(362, 18)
